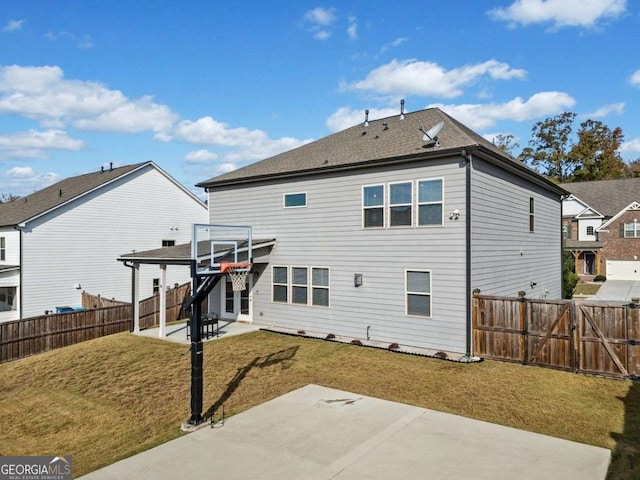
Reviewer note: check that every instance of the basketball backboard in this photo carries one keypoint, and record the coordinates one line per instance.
(211, 245)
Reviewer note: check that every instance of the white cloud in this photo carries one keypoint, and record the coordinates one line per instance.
(244, 144)
(481, 116)
(200, 156)
(631, 147)
(81, 41)
(227, 167)
(24, 180)
(396, 43)
(13, 25)
(319, 20)
(560, 13)
(33, 143)
(44, 95)
(606, 110)
(635, 78)
(352, 29)
(412, 77)
(346, 117)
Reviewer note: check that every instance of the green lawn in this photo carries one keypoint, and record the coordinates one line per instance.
(109, 398)
(586, 288)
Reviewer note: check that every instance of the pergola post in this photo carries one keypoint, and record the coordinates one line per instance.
(598, 260)
(162, 331)
(576, 256)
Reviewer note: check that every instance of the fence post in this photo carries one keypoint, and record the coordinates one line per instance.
(634, 313)
(523, 342)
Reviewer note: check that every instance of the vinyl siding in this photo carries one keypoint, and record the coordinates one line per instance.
(328, 233)
(80, 242)
(506, 256)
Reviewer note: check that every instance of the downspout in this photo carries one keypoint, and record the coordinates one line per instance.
(469, 347)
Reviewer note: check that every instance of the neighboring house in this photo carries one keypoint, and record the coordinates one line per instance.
(601, 227)
(383, 233)
(66, 238)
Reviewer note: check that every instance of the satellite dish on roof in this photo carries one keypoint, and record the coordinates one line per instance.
(431, 135)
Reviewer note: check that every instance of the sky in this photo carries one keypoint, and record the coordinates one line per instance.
(202, 87)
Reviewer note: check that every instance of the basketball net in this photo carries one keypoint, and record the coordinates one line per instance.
(238, 273)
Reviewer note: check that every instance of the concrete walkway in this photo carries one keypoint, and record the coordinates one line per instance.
(319, 433)
(617, 291)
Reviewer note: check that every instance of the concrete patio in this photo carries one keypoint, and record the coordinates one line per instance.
(177, 332)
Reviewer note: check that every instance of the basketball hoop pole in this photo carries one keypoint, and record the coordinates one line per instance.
(196, 352)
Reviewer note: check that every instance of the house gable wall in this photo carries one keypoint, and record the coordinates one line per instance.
(506, 256)
(78, 244)
(328, 233)
(616, 247)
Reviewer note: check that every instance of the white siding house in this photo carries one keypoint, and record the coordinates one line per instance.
(66, 238)
(383, 234)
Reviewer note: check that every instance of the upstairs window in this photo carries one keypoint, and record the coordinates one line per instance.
(373, 206)
(168, 243)
(632, 229)
(3, 249)
(400, 199)
(532, 214)
(430, 202)
(590, 230)
(295, 200)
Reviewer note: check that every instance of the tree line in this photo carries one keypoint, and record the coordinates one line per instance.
(555, 151)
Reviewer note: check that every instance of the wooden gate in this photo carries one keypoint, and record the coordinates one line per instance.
(586, 337)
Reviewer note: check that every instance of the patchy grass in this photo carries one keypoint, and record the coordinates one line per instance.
(109, 398)
(586, 288)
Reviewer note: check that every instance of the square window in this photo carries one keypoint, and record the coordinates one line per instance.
(293, 200)
(168, 243)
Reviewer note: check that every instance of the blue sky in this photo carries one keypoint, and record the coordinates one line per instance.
(203, 87)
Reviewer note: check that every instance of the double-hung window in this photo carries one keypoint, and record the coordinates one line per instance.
(632, 229)
(400, 204)
(430, 202)
(299, 285)
(418, 293)
(280, 282)
(373, 206)
(532, 214)
(3, 249)
(320, 286)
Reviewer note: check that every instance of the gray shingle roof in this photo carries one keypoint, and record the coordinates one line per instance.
(608, 197)
(25, 208)
(383, 140)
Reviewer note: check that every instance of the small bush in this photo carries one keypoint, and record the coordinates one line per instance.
(394, 346)
(331, 336)
(356, 342)
(600, 278)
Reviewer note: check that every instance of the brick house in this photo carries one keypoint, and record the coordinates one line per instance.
(601, 227)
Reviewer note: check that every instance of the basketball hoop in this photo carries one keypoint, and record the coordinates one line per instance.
(238, 273)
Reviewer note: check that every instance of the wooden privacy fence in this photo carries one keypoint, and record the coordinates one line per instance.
(29, 336)
(22, 338)
(579, 336)
(97, 301)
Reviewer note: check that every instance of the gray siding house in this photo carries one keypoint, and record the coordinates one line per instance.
(383, 233)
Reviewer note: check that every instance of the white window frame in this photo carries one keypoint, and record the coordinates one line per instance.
(635, 229)
(391, 205)
(382, 207)
(284, 200)
(286, 285)
(298, 285)
(532, 215)
(419, 203)
(321, 287)
(407, 293)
